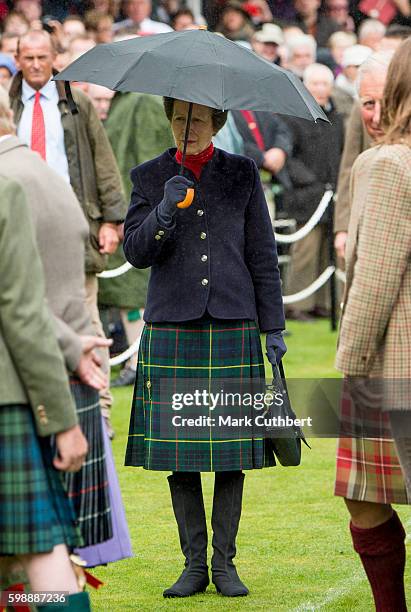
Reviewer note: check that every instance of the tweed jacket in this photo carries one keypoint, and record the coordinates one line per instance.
(31, 366)
(219, 256)
(375, 334)
(357, 140)
(61, 232)
(93, 170)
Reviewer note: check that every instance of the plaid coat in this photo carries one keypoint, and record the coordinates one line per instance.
(375, 334)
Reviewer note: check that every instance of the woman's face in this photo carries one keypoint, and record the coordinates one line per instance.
(201, 127)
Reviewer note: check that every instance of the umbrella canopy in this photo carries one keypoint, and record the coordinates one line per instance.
(199, 67)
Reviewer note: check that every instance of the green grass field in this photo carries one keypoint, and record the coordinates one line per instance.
(294, 548)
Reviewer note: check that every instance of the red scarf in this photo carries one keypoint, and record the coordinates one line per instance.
(195, 163)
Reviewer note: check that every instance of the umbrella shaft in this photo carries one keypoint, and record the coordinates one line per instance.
(190, 111)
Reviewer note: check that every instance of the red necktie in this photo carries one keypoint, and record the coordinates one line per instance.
(38, 129)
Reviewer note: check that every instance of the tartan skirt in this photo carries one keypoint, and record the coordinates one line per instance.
(35, 512)
(88, 488)
(368, 469)
(205, 351)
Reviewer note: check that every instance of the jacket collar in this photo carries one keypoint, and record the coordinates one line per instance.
(10, 143)
(17, 85)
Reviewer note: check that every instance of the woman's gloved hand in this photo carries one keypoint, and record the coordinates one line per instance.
(275, 347)
(175, 191)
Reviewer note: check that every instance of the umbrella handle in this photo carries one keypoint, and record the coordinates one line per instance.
(188, 200)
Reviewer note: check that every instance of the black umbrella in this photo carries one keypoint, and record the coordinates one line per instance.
(199, 67)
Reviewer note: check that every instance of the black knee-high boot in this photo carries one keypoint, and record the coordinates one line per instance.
(228, 494)
(188, 506)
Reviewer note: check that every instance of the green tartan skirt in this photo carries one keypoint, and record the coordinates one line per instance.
(206, 351)
(35, 512)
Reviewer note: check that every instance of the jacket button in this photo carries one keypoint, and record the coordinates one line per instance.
(203, 235)
(160, 232)
(204, 257)
(157, 237)
(200, 212)
(204, 282)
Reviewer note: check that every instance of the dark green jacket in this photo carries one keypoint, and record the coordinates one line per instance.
(93, 171)
(31, 365)
(138, 131)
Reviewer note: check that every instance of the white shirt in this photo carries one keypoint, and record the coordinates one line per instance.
(55, 149)
(147, 26)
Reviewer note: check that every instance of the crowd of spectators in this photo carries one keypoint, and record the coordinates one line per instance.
(322, 43)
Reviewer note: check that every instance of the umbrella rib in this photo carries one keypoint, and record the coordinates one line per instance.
(221, 67)
(125, 75)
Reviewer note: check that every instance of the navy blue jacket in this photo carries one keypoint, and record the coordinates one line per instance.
(220, 254)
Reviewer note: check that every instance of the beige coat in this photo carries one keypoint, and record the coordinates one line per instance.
(31, 365)
(62, 233)
(375, 334)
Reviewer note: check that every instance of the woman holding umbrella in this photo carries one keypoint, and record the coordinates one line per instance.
(214, 280)
(214, 286)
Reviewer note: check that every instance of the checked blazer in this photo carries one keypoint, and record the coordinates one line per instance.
(375, 334)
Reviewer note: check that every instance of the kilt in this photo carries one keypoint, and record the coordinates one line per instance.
(88, 488)
(368, 469)
(35, 512)
(206, 351)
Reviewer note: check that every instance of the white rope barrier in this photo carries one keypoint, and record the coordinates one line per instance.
(306, 229)
(132, 349)
(341, 275)
(116, 271)
(305, 293)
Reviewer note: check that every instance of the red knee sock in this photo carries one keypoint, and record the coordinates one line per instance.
(382, 552)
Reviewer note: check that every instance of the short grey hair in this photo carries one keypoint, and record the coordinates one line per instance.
(311, 70)
(305, 40)
(6, 115)
(370, 26)
(376, 62)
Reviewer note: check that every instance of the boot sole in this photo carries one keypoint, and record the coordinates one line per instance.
(238, 595)
(175, 596)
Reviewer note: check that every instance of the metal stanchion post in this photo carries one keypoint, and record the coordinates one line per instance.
(332, 262)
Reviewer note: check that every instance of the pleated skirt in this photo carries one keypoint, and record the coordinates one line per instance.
(207, 351)
(35, 512)
(88, 489)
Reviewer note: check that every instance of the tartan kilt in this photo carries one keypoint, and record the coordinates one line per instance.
(368, 469)
(35, 512)
(88, 488)
(204, 351)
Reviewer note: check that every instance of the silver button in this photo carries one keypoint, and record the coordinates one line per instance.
(157, 237)
(203, 235)
(204, 257)
(160, 232)
(204, 282)
(200, 212)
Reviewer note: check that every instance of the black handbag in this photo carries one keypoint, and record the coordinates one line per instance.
(287, 446)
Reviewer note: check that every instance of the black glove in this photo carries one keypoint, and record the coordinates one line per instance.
(175, 191)
(275, 347)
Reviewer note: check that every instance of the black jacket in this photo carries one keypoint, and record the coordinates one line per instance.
(220, 255)
(314, 162)
(274, 131)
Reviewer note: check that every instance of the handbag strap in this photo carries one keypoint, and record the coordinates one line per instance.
(282, 374)
(251, 119)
